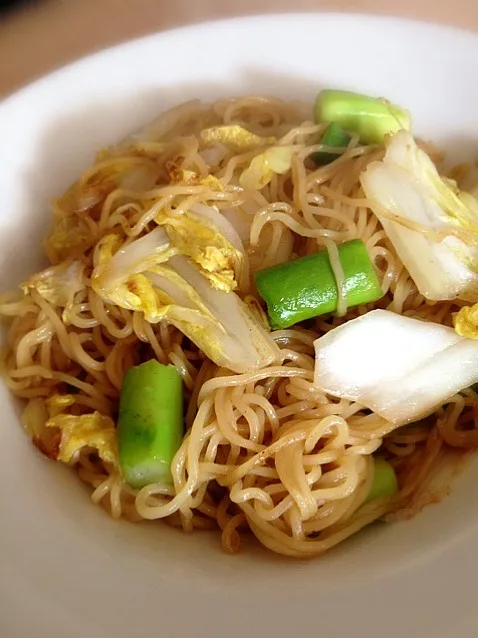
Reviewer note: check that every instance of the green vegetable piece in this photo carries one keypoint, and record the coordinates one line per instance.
(306, 287)
(150, 423)
(335, 137)
(384, 481)
(372, 118)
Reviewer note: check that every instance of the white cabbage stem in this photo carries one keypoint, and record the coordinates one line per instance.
(213, 155)
(135, 257)
(228, 334)
(240, 221)
(432, 226)
(400, 368)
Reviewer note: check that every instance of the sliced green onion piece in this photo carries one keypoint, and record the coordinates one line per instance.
(335, 137)
(384, 481)
(150, 423)
(371, 118)
(306, 287)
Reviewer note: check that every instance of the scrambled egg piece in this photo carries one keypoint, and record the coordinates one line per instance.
(108, 246)
(235, 137)
(465, 322)
(194, 237)
(179, 175)
(61, 436)
(93, 431)
(138, 293)
(58, 403)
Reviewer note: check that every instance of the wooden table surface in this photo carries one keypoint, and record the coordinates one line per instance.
(45, 34)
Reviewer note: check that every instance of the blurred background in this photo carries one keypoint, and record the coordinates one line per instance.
(37, 36)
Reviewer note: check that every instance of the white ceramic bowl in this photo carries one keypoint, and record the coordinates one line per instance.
(67, 570)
